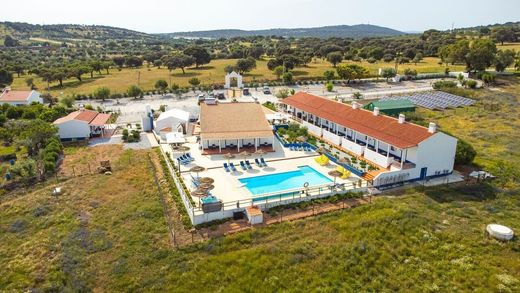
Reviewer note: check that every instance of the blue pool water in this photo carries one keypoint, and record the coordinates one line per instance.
(284, 181)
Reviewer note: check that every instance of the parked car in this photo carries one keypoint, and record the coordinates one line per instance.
(246, 92)
(221, 96)
(211, 96)
(201, 97)
(266, 90)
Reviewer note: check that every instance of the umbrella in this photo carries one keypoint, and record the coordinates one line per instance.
(321, 150)
(244, 154)
(206, 186)
(197, 169)
(344, 160)
(206, 180)
(301, 138)
(260, 152)
(229, 156)
(335, 173)
(199, 193)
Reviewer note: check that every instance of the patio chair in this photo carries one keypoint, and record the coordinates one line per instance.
(263, 162)
(226, 167)
(300, 147)
(182, 162)
(190, 157)
(291, 147)
(232, 166)
(257, 162)
(243, 165)
(248, 165)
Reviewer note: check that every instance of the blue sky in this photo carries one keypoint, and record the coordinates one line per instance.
(159, 16)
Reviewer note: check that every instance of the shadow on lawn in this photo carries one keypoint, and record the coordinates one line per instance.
(474, 192)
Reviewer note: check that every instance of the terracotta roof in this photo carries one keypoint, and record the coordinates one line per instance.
(381, 127)
(14, 96)
(89, 116)
(233, 121)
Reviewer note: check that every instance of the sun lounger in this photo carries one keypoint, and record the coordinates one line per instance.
(243, 165)
(248, 165)
(263, 162)
(257, 162)
(232, 166)
(291, 147)
(182, 162)
(189, 157)
(226, 167)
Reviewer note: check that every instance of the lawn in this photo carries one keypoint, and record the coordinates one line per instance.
(511, 46)
(212, 73)
(108, 233)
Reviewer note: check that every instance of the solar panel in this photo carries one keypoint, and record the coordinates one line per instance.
(434, 100)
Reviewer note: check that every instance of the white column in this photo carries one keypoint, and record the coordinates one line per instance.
(238, 144)
(403, 158)
(272, 142)
(219, 146)
(388, 152)
(256, 144)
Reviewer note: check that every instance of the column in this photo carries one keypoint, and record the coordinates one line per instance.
(256, 144)
(272, 142)
(238, 144)
(388, 152)
(219, 146)
(403, 158)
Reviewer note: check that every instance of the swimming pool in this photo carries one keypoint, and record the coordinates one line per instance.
(284, 181)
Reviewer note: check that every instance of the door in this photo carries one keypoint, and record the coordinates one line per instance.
(423, 173)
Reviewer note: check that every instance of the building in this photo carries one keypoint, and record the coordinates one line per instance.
(404, 150)
(234, 127)
(391, 107)
(82, 124)
(172, 121)
(17, 98)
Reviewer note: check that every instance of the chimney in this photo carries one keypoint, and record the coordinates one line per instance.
(376, 111)
(432, 127)
(401, 118)
(355, 105)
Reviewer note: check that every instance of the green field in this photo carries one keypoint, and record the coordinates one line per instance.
(212, 73)
(108, 233)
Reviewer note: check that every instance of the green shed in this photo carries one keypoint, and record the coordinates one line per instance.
(391, 107)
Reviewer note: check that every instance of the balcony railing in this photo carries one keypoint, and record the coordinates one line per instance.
(378, 158)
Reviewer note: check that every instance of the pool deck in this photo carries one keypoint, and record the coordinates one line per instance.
(227, 185)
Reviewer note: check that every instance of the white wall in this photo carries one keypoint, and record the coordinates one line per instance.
(331, 137)
(437, 153)
(73, 129)
(35, 97)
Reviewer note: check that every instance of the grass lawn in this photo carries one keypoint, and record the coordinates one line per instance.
(108, 233)
(119, 81)
(511, 46)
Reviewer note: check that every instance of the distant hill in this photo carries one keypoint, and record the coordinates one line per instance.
(340, 31)
(23, 31)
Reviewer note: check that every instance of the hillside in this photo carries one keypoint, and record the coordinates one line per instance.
(340, 31)
(25, 31)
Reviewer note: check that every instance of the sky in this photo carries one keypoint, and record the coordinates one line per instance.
(162, 16)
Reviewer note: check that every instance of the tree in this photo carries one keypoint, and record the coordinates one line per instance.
(329, 74)
(95, 65)
(282, 93)
(119, 61)
(161, 85)
(287, 77)
(77, 70)
(102, 93)
(178, 60)
(465, 153)
(133, 61)
(278, 71)
(334, 58)
(229, 68)
(194, 81)
(504, 59)
(504, 35)
(200, 54)
(245, 65)
(488, 78)
(30, 83)
(481, 55)
(410, 72)
(67, 101)
(351, 72)
(418, 57)
(107, 64)
(256, 51)
(388, 73)
(376, 53)
(34, 133)
(506, 173)
(134, 91)
(6, 78)
(10, 42)
(329, 86)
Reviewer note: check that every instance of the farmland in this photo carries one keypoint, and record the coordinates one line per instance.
(119, 81)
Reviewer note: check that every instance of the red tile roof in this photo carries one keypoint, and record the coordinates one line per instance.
(381, 127)
(89, 116)
(14, 96)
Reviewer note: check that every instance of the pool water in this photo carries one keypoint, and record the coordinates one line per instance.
(284, 181)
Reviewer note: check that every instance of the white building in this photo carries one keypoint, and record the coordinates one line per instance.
(174, 120)
(404, 150)
(17, 98)
(82, 124)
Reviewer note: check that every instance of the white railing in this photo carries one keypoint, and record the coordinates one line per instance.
(312, 128)
(331, 137)
(377, 158)
(352, 146)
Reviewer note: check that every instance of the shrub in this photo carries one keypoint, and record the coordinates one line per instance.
(471, 84)
(444, 84)
(465, 153)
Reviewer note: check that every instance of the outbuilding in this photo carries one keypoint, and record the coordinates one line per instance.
(82, 124)
(16, 98)
(391, 107)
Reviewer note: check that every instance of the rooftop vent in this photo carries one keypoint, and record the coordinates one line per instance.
(401, 118)
(376, 111)
(432, 127)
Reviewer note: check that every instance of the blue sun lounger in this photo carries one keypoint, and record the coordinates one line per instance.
(263, 162)
(248, 165)
(257, 162)
(232, 166)
(226, 167)
(243, 165)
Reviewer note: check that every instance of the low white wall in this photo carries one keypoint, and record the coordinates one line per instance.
(377, 158)
(352, 146)
(312, 128)
(394, 177)
(331, 137)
